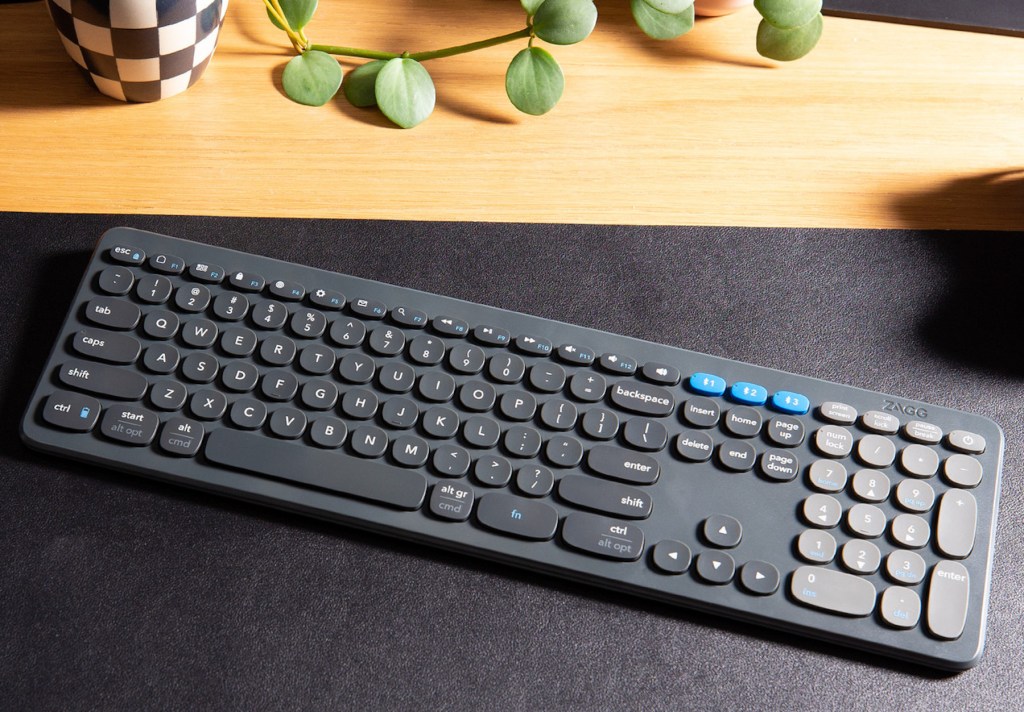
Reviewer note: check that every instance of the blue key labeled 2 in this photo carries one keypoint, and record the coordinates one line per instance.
(748, 393)
(707, 384)
(789, 402)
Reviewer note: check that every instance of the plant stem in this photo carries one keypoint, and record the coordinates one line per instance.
(422, 56)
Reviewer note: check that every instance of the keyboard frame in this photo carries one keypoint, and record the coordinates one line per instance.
(680, 485)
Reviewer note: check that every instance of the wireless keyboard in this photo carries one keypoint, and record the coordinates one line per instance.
(859, 518)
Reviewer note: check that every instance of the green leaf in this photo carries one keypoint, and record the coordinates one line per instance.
(297, 12)
(360, 82)
(531, 6)
(787, 45)
(671, 7)
(405, 92)
(312, 78)
(788, 14)
(565, 22)
(661, 25)
(534, 81)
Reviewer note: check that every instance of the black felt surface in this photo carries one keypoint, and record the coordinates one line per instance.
(121, 593)
(1004, 17)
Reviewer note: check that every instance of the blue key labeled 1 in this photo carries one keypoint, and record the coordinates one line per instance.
(789, 402)
(748, 393)
(707, 384)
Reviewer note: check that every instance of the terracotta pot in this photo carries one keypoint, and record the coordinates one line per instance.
(140, 50)
(710, 8)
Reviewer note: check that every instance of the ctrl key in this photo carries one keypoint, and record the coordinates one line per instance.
(71, 411)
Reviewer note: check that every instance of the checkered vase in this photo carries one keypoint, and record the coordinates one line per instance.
(140, 50)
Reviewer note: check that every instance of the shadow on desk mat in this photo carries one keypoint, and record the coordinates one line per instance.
(130, 594)
(1001, 17)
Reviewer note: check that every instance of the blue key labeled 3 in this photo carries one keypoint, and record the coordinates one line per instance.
(789, 402)
(707, 384)
(748, 393)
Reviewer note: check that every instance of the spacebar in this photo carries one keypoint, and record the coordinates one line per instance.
(326, 469)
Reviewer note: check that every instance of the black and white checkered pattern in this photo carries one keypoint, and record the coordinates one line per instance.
(140, 50)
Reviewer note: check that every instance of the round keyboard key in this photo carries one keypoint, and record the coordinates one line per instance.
(368, 441)
(876, 451)
(694, 446)
(409, 451)
(181, 437)
(404, 316)
(599, 424)
(701, 412)
(922, 432)
(879, 422)
(915, 496)
(400, 413)
(645, 434)
(779, 465)
(585, 386)
(816, 546)
(247, 282)
(535, 481)
(481, 432)
(288, 423)
(329, 432)
(311, 324)
(617, 364)
(722, 531)
(906, 567)
(660, 373)
(919, 460)
(966, 442)
(450, 326)
(827, 476)
(870, 485)
(962, 471)
(821, 510)
(910, 531)
(451, 461)
(866, 520)
(785, 431)
(231, 306)
(748, 393)
(791, 403)
(532, 345)
(833, 441)
(706, 384)
(291, 291)
(492, 471)
(547, 377)
(671, 557)
(250, 414)
(715, 567)
(127, 255)
(268, 314)
(564, 451)
(509, 368)
(576, 355)
(736, 455)
(861, 557)
(838, 413)
(208, 405)
(760, 578)
(116, 280)
(466, 358)
(351, 332)
(167, 264)
(743, 422)
(900, 607)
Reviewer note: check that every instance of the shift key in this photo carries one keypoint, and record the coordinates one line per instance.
(108, 381)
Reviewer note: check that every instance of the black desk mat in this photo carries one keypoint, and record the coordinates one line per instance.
(1001, 17)
(122, 593)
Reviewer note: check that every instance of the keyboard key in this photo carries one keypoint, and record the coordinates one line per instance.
(962, 471)
(827, 476)
(948, 599)
(167, 264)
(103, 380)
(660, 373)
(706, 384)
(861, 557)
(329, 470)
(247, 281)
(743, 422)
(642, 398)
(910, 531)
(833, 441)
(736, 455)
(915, 496)
(722, 531)
(129, 424)
(518, 516)
(181, 437)
(821, 510)
(116, 280)
(715, 567)
(956, 524)
(900, 607)
(905, 567)
(426, 350)
(71, 411)
(449, 326)
(833, 591)
(618, 364)
(612, 498)
(701, 412)
(333, 300)
(816, 546)
(870, 485)
(966, 442)
(748, 393)
(791, 403)
(780, 465)
(838, 413)
(876, 451)
(113, 313)
(623, 465)
(880, 422)
(576, 355)
(785, 431)
(919, 460)
(694, 446)
(451, 500)
(760, 578)
(533, 345)
(671, 557)
(107, 346)
(369, 308)
(205, 272)
(127, 255)
(535, 481)
(587, 386)
(491, 335)
(603, 536)
(289, 291)
(923, 432)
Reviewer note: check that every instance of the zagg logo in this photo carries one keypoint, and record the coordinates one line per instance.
(898, 407)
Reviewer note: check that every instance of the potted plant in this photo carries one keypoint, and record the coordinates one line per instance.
(399, 84)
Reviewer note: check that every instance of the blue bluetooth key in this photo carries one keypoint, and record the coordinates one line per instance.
(789, 402)
(707, 384)
(748, 393)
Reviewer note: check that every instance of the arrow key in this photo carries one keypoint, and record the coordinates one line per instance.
(722, 531)
(760, 578)
(670, 557)
(715, 567)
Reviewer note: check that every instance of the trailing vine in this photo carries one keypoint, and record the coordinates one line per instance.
(399, 85)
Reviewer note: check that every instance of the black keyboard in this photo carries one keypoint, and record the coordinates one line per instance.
(855, 517)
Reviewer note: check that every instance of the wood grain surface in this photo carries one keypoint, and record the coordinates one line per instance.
(881, 126)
